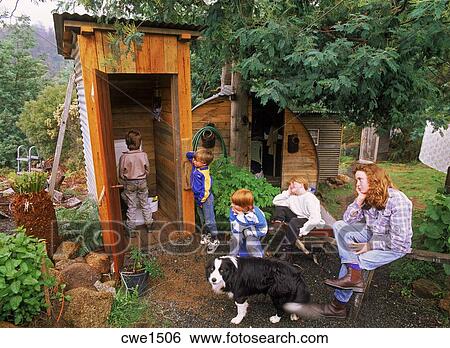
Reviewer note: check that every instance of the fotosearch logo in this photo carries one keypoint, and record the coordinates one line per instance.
(176, 238)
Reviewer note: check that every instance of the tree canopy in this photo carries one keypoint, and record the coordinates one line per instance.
(21, 79)
(369, 61)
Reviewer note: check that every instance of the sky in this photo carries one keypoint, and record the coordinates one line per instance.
(38, 13)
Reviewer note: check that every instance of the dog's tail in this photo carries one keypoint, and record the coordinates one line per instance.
(302, 294)
(303, 310)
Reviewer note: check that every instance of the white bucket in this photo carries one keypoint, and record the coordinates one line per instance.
(153, 205)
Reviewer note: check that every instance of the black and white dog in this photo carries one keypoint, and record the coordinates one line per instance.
(243, 277)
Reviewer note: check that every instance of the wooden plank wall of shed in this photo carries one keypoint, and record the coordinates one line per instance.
(329, 149)
(218, 111)
(165, 157)
(304, 162)
(215, 111)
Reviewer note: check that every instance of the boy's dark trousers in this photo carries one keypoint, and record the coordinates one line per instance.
(294, 224)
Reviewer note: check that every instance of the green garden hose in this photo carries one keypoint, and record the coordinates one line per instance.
(198, 135)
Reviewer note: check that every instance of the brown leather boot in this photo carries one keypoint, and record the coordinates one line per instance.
(353, 280)
(335, 309)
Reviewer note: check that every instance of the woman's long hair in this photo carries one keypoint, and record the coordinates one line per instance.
(379, 182)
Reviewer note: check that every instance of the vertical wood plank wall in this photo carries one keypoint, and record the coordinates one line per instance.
(215, 111)
(159, 54)
(304, 162)
(165, 158)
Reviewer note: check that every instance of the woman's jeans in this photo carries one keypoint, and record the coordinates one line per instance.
(358, 233)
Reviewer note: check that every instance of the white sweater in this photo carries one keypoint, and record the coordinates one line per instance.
(305, 206)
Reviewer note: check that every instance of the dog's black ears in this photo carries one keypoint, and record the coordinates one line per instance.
(209, 264)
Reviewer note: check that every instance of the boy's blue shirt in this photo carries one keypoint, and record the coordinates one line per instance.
(201, 181)
(255, 221)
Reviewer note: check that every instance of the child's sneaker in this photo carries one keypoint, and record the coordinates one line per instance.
(212, 246)
(205, 239)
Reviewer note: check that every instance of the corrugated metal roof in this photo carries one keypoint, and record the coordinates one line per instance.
(226, 91)
(59, 18)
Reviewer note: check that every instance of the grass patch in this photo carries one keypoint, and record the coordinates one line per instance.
(416, 180)
(127, 309)
(335, 199)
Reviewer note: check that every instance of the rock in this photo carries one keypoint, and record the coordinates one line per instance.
(80, 275)
(8, 192)
(7, 325)
(444, 304)
(104, 287)
(88, 308)
(98, 261)
(110, 283)
(72, 202)
(57, 196)
(344, 178)
(60, 265)
(57, 274)
(339, 182)
(426, 288)
(66, 250)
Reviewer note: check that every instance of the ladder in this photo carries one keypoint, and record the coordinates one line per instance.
(26, 156)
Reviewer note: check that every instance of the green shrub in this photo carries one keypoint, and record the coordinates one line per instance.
(81, 225)
(229, 178)
(435, 230)
(127, 309)
(21, 279)
(28, 182)
(144, 261)
(405, 271)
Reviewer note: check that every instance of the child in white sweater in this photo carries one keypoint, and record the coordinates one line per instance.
(298, 208)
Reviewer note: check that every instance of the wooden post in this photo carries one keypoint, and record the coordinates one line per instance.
(239, 125)
(369, 145)
(62, 130)
(225, 79)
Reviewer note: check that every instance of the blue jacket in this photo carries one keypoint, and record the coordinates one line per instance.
(255, 221)
(201, 181)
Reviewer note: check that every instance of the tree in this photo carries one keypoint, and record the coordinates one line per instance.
(371, 62)
(40, 121)
(21, 79)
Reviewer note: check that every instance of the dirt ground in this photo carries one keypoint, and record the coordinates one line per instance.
(183, 298)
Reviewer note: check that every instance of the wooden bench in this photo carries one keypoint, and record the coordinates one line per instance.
(321, 238)
(416, 254)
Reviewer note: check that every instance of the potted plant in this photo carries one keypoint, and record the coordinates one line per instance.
(32, 208)
(137, 274)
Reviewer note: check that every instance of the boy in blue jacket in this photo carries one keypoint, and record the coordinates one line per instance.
(248, 225)
(201, 184)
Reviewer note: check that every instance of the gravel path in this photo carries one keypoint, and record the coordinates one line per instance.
(184, 299)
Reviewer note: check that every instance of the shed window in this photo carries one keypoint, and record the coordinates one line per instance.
(315, 136)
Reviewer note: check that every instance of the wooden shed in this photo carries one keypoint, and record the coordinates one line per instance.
(283, 143)
(129, 91)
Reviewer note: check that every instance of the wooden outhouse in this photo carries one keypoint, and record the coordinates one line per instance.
(146, 87)
(282, 144)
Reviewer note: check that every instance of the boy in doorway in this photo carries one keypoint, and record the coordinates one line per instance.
(133, 171)
(201, 184)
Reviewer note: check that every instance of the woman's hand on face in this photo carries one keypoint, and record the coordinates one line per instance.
(361, 197)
